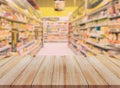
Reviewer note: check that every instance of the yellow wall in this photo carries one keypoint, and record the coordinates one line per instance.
(49, 11)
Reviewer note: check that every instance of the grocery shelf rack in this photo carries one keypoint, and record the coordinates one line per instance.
(20, 32)
(95, 30)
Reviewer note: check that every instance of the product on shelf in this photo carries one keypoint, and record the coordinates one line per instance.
(17, 31)
(56, 32)
(97, 32)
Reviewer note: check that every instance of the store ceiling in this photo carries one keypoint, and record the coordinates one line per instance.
(50, 3)
(47, 7)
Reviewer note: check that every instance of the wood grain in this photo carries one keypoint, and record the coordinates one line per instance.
(90, 74)
(98, 71)
(3, 61)
(14, 72)
(8, 66)
(106, 74)
(44, 77)
(109, 64)
(74, 76)
(27, 77)
(114, 60)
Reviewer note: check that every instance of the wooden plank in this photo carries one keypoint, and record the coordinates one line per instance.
(27, 77)
(110, 65)
(35, 50)
(67, 80)
(117, 56)
(64, 77)
(44, 77)
(5, 60)
(2, 57)
(74, 76)
(61, 72)
(108, 76)
(114, 60)
(10, 77)
(88, 71)
(53, 76)
(7, 67)
(112, 56)
(58, 74)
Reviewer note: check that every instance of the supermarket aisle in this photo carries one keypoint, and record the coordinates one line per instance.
(55, 49)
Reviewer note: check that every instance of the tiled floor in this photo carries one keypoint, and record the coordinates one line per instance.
(58, 49)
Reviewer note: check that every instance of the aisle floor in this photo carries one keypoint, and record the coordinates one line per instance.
(58, 49)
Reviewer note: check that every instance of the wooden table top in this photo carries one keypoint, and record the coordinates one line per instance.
(60, 72)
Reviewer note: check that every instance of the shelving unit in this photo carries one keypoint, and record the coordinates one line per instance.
(19, 32)
(98, 31)
(3, 2)
(56, 32)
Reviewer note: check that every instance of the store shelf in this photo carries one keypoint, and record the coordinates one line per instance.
(83, 52)
(3, 28)
(96, 19)
(18, 28)
(95, 35)
(12, 20)
(89, 49)
(75, 44)
(116, 32)
(97, 25)
(73, 49)
(99, 46)
(31, 50)
(74, 38)
(5, 48)
(26, 45)
(16, 21)
(115, 16)
(101, 9)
